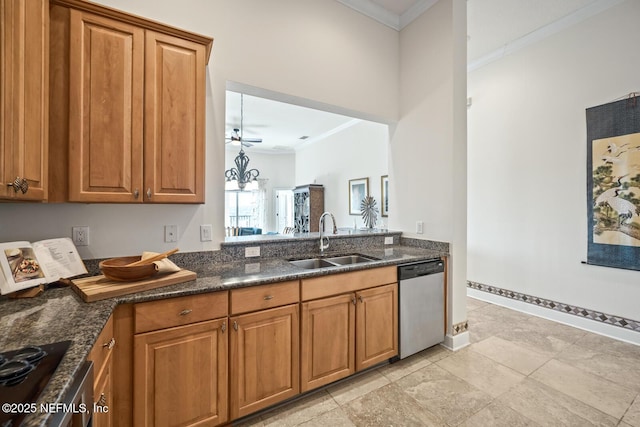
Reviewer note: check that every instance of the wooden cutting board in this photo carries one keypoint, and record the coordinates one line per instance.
(97, 288)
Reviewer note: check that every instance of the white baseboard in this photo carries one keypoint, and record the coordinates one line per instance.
(456, 342)
(557, 316)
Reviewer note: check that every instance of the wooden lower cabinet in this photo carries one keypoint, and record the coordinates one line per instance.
(102, 357)
(328, 340)
(376, 325)
(264, 359)
(180, 375)
(347, 333)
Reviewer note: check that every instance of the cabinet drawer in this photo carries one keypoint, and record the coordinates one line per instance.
(103, 347)
(334, 284)
(153, 315)
(266, 296)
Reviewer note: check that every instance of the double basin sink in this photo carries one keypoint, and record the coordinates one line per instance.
(314, 263)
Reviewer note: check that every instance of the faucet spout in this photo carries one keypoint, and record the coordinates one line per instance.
(324, 245)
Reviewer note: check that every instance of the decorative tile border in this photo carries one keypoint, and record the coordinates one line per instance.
(609, 319)
(461, 327)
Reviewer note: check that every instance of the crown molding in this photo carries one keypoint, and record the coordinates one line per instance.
(542, 33)
(382, 15)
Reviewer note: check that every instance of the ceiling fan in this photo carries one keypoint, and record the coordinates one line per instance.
(236, 136)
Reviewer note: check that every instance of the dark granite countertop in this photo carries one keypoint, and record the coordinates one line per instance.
(59, 314)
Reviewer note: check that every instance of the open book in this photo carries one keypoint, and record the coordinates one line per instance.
(24, 265)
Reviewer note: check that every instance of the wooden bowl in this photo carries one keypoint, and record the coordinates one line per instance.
(115, 269)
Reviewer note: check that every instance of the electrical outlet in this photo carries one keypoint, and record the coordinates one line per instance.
(170, 233)
(205, 233)
(252, 251)
(388, 240)
(80, 235)
(419, 227)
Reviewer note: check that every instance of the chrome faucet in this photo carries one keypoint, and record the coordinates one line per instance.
(324, 246)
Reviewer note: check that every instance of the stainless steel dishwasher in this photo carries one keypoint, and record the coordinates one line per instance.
(421, 296)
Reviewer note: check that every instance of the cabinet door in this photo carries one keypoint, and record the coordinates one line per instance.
(264, 359)
(105, 109)
(180, 376)
(103, 398)
(376, 325)
(24, 97)
(174, 119)
(328, 340)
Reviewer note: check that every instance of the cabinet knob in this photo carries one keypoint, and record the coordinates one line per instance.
(268, 297)
(224, 327)
(149, 193)
(361, 299)
(353, 300)
(235, 325)
(109, 345)
(102, 401)
(136, 193)
(19, 184)
(185, 312)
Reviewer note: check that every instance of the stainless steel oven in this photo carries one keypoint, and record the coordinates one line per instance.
(77, 408)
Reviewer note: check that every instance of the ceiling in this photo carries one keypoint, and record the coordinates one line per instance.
(495, 28)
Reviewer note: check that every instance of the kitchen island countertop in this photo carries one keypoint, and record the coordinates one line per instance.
(60, 314)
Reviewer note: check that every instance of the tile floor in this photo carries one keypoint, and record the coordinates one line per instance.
(519, 370)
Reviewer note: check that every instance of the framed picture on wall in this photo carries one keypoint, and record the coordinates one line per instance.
(384, 196)
(358, 190)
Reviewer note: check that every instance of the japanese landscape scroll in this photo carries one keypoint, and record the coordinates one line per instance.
(613, 184)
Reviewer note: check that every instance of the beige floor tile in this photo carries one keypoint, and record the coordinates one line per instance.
(357, 386)
(610, 345)
(618, 368)
(474, 304)
(301, 410)
(498, 415)
(557, 330)
(334, 418)
(632, 416)
(537, 341)
(602, 394)
(448, 397)
(389, 406)
(550, 407)
(395, 371)
(482, 372)
(511, 355)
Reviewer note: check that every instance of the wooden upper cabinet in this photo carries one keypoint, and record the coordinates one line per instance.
(135, 96)
(174, 119)
(105, 109)
(24, 112)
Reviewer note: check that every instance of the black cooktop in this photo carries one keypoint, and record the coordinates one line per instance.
(24, 373)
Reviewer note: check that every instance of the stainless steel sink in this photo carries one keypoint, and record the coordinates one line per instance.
(314, 263)
(349, 259)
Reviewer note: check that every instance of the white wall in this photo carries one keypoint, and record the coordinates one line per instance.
(527, 163)
(316, 49)
(359, 151)
(278, 169)
(427, 172)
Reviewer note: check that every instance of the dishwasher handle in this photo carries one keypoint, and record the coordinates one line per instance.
(417, 269)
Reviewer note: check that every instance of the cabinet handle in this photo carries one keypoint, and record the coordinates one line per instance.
(353, 300)
(149, 193)
(109, 345)
(361, 299)
(268, 297)
(19, 184)
(102, 401)
(224, 327)
(185, 312)
(136, 193)
(235, 325)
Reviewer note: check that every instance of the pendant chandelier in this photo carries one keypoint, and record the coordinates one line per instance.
(241, 177)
